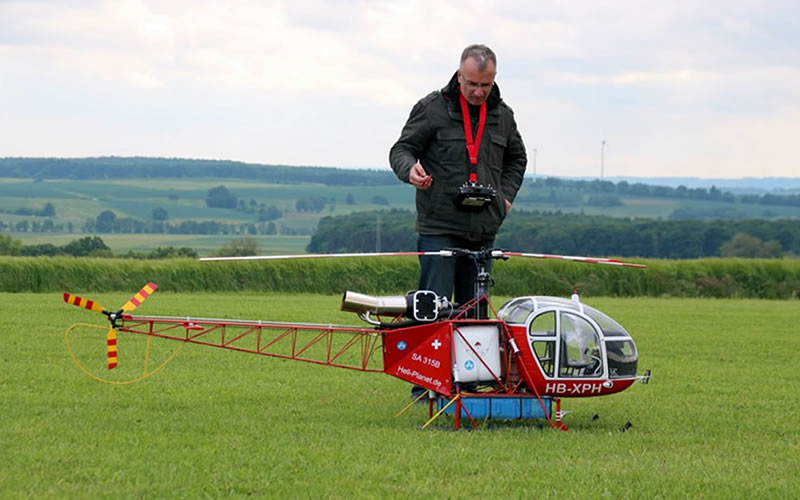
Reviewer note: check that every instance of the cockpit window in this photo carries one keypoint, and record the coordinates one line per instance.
(545, 353)
(517, 310)
(542, 336)
(622, 358)
(580, 348)
(609, 327)
(557, 302)
(543, 325)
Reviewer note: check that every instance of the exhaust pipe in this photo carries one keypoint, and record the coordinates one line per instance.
(421, 305)
(361, 303)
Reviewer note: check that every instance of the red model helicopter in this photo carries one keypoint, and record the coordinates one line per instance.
(535, 351)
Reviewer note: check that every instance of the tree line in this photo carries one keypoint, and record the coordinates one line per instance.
(601, 193)
(48, 210)
(662, 239)
(572, 234)
(94, 246)
(108, 222)
(632, 189)
(792, 200)
(88, 246)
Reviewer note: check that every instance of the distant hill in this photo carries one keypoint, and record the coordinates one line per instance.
(135, 167)
(746, 185)
(113, 167)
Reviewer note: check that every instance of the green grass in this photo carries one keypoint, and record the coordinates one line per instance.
(719, 419)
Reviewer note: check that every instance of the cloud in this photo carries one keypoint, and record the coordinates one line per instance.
(322, 82)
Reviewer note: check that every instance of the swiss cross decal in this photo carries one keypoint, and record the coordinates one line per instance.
(436, 344)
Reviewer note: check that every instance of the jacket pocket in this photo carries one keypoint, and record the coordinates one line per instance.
(499, 144)
(452, 146)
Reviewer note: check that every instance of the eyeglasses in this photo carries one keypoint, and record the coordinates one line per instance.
(475, 85)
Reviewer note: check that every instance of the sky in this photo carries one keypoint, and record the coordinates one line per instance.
(675, 88)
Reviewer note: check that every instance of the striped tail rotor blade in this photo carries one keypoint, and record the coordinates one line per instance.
(111, 341)
(84, 303)
(137, 299)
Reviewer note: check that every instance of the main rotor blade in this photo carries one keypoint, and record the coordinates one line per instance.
(441, 253)
(590, 260)
(140, 297)
(84, 303)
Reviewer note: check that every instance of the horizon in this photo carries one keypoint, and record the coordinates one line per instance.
(741, 184)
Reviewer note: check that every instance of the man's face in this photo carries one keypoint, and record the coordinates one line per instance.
(476, 85)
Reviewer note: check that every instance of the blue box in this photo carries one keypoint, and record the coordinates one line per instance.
(477, 407)
(532, 409)
(500, 407)
(508, 408)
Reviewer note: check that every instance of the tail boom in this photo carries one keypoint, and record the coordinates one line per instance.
(330, 345)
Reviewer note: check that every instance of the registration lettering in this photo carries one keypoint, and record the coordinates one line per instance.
(578, 389)
(425, 360)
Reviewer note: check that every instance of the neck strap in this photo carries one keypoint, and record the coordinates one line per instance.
(473, 144)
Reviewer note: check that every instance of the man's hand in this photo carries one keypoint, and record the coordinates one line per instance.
(419, 178)
(508, 206)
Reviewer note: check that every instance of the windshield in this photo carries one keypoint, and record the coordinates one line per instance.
(518, 310)
(580, 348)
(622, 358)
(609, 327)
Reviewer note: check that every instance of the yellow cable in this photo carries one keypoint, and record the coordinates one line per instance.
(115, 382)
(441, 411)
(424, 393)
(146, 355)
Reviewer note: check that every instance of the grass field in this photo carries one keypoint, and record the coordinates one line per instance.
(718, 420)
(76, 201)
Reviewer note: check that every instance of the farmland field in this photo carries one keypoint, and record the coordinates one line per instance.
(203, 244)
(184, 199)
(76, 201)
(137, 198)
(718, 420)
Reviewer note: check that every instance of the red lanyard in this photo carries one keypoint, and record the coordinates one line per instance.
(473, 145)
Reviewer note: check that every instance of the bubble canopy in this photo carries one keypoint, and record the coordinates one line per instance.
(517, 311)
(577, 331)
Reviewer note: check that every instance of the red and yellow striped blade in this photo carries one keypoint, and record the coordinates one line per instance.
(137, 299)
(111, 340)
(85, 303)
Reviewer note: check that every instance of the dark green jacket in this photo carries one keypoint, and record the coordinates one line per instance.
(434, 136)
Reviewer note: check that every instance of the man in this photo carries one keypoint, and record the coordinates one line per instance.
(462, 136)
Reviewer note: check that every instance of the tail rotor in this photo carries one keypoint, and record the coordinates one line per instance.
(113, 316)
